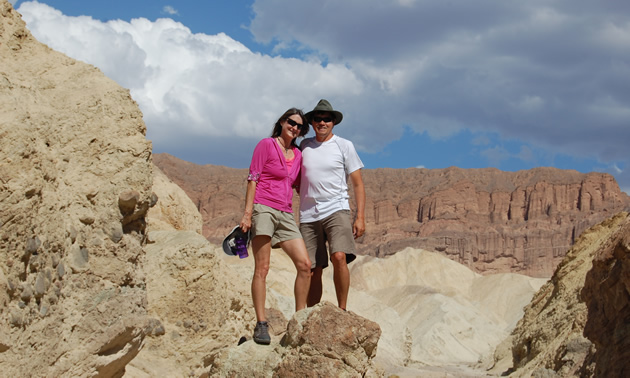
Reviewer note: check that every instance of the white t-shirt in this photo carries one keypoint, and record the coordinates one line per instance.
(324, 177)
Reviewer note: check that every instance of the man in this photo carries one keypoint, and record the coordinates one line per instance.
(327, 162)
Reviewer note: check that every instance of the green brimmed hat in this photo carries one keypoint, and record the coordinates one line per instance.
(324, 106)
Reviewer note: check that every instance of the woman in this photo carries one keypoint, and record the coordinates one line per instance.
(273, 173)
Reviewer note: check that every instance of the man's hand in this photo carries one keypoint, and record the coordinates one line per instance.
(358, 229)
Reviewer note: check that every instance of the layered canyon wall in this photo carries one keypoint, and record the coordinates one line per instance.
(489, 220)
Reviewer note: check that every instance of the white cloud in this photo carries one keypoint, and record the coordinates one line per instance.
(170, 10)
(190, 86)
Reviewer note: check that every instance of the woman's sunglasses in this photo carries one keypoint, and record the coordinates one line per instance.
(293, 123)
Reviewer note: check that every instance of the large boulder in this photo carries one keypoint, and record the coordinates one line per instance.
(320, 341)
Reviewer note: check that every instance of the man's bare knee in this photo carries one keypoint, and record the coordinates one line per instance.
(338, 258)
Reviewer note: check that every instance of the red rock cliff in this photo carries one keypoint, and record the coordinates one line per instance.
(489, 220)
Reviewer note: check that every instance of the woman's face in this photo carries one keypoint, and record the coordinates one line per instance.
(291, 127)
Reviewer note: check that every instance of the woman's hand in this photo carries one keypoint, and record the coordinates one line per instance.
(246, 222)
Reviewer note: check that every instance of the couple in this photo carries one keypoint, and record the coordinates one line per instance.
(318, 170)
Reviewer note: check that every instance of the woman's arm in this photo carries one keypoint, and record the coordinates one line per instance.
(246, 221)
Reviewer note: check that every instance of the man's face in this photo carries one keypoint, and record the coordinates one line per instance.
(323, 123)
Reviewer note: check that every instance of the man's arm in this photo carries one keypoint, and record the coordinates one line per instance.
(358, 229)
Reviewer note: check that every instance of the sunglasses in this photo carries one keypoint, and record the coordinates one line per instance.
(317, 119)
(293, 123)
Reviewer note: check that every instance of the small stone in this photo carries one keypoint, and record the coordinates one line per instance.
(27, 293)
(78, 259)
(127, 201)
(40, 285)
(43, 309)
(85, 254)
(16, 319)
(32, 245)
(72, 234)
(61, 270)
(154, 199)
(115, 232)
(55, 260)
(86, 219)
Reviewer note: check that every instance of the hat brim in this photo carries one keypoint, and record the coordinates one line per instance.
(226, 246)
(338, 115)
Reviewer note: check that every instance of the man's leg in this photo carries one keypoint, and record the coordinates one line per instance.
(341, 278)
(315, 290)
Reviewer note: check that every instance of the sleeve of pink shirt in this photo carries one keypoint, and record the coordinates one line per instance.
(258, 161)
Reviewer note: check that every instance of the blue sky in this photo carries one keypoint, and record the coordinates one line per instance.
(486, 83)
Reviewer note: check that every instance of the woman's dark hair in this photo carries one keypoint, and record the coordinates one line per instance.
(277, 128)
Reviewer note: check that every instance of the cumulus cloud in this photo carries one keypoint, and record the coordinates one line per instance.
(197, 91)
(555, 75)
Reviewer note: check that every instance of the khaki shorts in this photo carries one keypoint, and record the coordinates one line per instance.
(279, 225)
(336, 229)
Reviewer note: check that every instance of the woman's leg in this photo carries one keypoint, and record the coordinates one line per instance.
(261, 247)
(296, 250)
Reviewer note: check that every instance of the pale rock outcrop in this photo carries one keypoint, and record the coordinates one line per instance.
(437, 318)
(75, 187)
(607, 296)
(550, 336)
(489, 220)
(174, 210)
(434, 311)
(199, 305)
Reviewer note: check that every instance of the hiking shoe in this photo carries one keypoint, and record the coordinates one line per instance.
(261, 334)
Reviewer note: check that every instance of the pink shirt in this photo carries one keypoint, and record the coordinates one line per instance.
(275, 181)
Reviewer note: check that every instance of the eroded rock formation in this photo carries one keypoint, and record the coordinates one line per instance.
(75, 187)
(486, 219)
(585, 302)
(607, 296)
